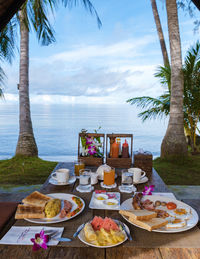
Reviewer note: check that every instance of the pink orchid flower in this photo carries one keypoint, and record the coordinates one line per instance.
(148, 190)
(39, 241)
(89, 141)
(92, 150)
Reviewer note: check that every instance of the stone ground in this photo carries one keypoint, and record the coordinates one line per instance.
(185, 191)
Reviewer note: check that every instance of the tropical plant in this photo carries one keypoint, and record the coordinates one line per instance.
(160, 32)
(159, 107)
(7, 44)
(174, 142)
(33, 14)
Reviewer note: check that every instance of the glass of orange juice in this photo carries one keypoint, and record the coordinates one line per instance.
(109, 176)
(78, 165)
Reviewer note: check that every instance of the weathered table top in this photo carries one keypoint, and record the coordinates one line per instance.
(144, 245)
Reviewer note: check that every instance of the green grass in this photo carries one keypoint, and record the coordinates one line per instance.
(179, 172)
(25, 170)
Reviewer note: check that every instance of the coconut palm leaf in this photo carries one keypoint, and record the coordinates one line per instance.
(156, 107)
(88, 6)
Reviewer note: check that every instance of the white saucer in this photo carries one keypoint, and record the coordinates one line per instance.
(87, 190)
(142, 180)
(133, 189)
(72, 179)
(108, 186)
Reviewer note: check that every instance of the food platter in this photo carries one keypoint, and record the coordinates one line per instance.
(192, 220)
(57, 219)
(82, 238)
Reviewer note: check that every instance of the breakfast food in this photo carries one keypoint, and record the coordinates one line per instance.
(152, 214)
(103, 232)
(171, 206)
(151, 224)
(52, 208)
(139, 214)
(29, 212)
(66, 209)
(175, 223)
(36, 199)
(79, 203)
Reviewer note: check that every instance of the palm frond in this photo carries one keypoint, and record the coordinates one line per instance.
(156, 107)
(88, 6)
(37, 16)
(164, 74)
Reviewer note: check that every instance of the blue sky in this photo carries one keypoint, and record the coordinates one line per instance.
(91, 65)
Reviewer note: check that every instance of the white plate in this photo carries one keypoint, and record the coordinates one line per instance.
(142, 180)
(72, 179)
(56, 219)
(127, 205)
(81, 236)
(99, 205)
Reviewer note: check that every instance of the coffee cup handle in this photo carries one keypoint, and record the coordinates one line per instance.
(143, 174)
(54, 176)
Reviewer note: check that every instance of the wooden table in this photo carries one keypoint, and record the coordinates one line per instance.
(144, 245)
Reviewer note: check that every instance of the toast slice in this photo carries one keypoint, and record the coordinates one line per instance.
(139, 214)
(151, 224)
(29, 212)
(36, 199)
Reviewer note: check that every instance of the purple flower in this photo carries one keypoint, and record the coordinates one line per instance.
(92, 150)
(148, 190)
(40, 240)
(89, 141)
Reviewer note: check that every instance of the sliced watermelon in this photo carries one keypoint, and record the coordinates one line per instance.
(109, 224)
(97, 223)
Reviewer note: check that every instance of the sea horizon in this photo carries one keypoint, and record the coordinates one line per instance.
(56, 127)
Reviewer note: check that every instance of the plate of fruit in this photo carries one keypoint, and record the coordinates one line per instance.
(103, 233)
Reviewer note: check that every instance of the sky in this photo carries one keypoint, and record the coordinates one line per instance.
(92, 65)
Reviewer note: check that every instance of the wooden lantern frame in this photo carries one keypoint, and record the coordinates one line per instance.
(90, 160)
(120, 162)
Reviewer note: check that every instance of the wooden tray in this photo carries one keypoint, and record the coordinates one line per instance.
(119, 162)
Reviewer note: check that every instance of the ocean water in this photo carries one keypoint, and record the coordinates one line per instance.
(56, 127)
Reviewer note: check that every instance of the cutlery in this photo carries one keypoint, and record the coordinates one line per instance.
(52, 235)
(124, 228)
(79, 230)
(62, 239)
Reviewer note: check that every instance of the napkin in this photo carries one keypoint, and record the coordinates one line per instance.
(22, 235)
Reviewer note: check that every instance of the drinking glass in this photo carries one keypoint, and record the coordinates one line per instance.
(78, 165)
(85, 179)
(109, 176)
(127, 180)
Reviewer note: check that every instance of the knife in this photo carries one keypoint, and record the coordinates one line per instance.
(79, 230)
(62, 239)
(125, 230)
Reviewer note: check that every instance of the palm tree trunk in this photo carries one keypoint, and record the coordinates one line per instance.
(174, 142)
(26, 142)
(160, 32)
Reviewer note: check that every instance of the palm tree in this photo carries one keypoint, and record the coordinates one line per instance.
(7, 43)
(160, 32)
(34, 13)
(174, 142)
(159, 107)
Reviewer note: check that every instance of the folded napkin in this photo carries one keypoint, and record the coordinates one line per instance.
(23, 235)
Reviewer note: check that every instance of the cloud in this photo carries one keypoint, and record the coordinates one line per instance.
(120, 70)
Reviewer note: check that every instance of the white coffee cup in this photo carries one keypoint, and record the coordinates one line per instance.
(61, 175)
(137, 174)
